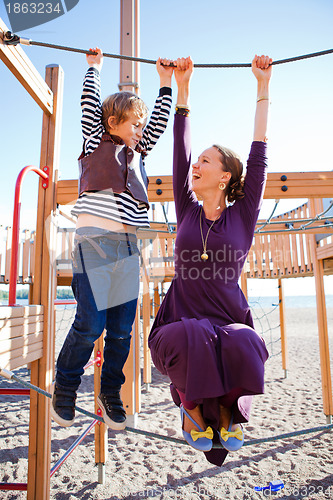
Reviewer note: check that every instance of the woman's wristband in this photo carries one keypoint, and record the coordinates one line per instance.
(182, 109)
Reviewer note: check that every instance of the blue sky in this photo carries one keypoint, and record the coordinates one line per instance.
(222, 100)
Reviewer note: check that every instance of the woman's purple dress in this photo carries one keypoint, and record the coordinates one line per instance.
(203, 336)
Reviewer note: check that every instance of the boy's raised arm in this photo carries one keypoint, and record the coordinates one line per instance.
(161, 112)
(91, 105)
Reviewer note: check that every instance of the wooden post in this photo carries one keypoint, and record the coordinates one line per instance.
(318, 271)
(131, 393)
(101, 430)
(243, 282)
(129, 45)
(44, 292)
(146, 313)
(284, 352)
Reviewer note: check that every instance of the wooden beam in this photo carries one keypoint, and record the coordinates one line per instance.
(325, 252)
(44, 292)
(282, 311)
(244, 284)
(129, 39)
(22, 68)
(318, 270)
(101, 430)
(146, 311)
(299, 184)
(328, 266)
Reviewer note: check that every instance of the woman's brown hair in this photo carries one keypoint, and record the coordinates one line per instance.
(231, 162)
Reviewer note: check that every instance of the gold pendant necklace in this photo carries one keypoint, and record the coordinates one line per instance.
(204, 255)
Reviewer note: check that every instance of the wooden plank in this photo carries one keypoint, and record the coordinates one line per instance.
(15, 320)
(7, 312)
(267, 269)
(20, 355)
(326, 378)
(129, 389)
(9, 344)
(129, 45)
(280, 256)
(299, 191)
(251, 262)
(14, 363)
(137, 354)
(287, 255)
(147, 275)
(308, 239)
(258, 253)
(274, 254)
(325, 252)
(328, 266)
(162, 272)
(309, 252)
(294, 254)
(32, 256)
(282, 311)
(8, 253)
(300, 185)
(301, 244)
(20, 331)
(157, 298)
(22, 68)
(243, 281)
(64, 280)
(26, 256)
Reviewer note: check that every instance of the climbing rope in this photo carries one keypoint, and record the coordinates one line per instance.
(12, 39)
(11, 376)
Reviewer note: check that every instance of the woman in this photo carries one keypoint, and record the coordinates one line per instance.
(203, 336)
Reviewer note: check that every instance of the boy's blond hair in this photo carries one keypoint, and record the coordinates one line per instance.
(121, 105)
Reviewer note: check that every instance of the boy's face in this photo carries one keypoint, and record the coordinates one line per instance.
(130, 131)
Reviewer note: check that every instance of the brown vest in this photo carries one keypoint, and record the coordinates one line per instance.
(114, 166)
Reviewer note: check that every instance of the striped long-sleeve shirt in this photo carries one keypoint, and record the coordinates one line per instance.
(120, 207)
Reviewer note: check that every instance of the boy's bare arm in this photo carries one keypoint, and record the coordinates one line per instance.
(165, 71)
(95, 61)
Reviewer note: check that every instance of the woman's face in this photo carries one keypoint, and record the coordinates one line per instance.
(207, 172)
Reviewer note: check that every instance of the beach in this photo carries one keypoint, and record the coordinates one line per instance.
(143, 467)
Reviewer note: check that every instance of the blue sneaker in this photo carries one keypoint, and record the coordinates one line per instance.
(231, 440)
(199, 440)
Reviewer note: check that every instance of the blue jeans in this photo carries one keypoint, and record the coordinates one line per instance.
(106, 286)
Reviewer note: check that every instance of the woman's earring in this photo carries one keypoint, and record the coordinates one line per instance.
(222, 186)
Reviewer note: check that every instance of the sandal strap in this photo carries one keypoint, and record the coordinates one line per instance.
(182, 409)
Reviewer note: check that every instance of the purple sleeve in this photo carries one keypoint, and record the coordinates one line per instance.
(183, 196)
(255, 181)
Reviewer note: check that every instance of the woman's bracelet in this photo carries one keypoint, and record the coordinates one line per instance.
(182, 110)
(263, 98)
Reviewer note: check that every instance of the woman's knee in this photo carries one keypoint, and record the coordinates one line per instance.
(170, 341)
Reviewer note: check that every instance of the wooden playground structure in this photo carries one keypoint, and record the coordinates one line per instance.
(295, 244)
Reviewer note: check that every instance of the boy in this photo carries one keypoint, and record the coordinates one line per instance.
(112, 204)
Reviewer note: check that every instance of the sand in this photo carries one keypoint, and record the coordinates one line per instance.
(140, 467)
